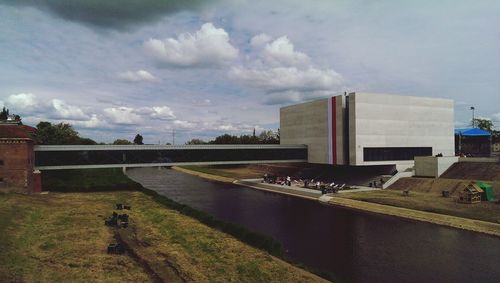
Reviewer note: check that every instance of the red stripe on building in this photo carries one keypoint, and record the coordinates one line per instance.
(334, 131)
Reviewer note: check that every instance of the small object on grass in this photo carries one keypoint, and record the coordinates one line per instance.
(111, 222)
(406, 193)
(446, 194)
(127, 207)
(116, 249)
(123, 224)
(123, 217)
(119, 206)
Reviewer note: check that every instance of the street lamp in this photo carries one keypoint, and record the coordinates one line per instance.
(473, 122)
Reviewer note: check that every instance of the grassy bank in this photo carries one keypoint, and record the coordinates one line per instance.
(87, 180)
(430, 202)
(224, 171)
(111, 179)
(419, 215)
(61, 237)
(257, 240)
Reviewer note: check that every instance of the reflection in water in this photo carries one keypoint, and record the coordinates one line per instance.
(353, 246)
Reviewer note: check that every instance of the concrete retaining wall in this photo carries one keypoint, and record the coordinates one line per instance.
(430, 166)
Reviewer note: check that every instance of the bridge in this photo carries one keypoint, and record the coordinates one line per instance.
(56, 157)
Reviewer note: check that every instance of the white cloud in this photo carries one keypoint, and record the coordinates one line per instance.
(496, 117)
(65, 111)
(21, 103)
(288, 78)
(162, 113)
(28, 104)
(259, 40)
(156, 112)
(93, 123)
(227, 127)
(133, 116)
(207, 46)
(123, 115)
(279, 68)
(281, 52)
(139, 76)
(184, 124)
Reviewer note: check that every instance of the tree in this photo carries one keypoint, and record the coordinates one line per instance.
(4, 115)
(121, 142)
(226, 139)
(61, 133)
(138, 139)
(196, 141)
(484, 124)
(265, 137)
(18, 119)
(269, 137)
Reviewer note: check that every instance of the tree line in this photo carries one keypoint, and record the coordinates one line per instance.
(65, 134)
(265, 137)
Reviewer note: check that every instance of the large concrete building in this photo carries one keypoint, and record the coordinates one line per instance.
(370, 129)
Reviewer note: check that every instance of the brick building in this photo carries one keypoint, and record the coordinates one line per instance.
(17, 157)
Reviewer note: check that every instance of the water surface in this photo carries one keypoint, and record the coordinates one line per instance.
(353, 246)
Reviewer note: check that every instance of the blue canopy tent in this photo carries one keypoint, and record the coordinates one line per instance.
(472, 141)
(472, 132)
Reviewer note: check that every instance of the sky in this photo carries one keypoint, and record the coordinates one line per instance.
(113, 69)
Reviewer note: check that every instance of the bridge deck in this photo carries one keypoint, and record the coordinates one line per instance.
(53, 157)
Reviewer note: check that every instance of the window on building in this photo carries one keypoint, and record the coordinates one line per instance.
(394, 153)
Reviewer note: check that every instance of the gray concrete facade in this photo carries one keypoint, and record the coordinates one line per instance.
(343, 129)
(306, 123)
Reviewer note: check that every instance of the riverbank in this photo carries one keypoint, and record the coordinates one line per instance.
(199, 173)
(390, 203)
(193, 170)
(62, 237)
(435, 218)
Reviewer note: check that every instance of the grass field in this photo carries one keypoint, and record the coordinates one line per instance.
(430, 202)
(78, 180)
(61, 237)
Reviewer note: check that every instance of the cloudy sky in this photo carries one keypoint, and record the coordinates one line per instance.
(116, 68)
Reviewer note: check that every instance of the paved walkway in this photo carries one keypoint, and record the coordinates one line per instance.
(292, 190)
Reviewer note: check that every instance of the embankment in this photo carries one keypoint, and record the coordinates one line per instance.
(435, 218)
(61, 237)
(367, 204)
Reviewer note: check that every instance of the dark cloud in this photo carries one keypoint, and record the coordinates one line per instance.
(115, 14)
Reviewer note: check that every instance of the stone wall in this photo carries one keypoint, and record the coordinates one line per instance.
(16, 164)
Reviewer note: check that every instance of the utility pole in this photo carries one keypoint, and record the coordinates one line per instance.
(173, 136)
(473, 122)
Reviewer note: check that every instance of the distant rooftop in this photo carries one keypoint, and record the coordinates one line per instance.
(13, 130)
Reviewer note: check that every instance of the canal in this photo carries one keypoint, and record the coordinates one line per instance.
(349, 245)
